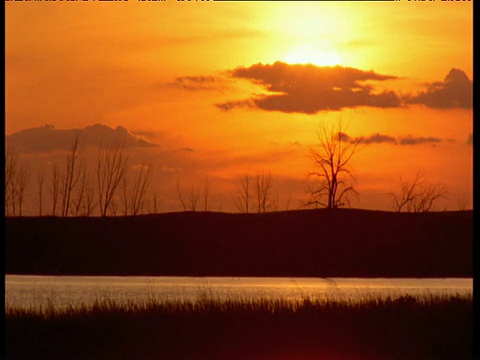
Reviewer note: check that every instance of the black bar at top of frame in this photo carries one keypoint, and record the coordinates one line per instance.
(305, 0)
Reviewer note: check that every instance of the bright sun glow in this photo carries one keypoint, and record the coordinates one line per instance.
(310, 55)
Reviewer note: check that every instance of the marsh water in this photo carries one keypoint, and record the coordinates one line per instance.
(24, 291)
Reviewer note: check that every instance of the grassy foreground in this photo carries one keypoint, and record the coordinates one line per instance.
(404, 328)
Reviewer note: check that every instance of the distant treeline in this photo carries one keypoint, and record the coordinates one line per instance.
(320, 243)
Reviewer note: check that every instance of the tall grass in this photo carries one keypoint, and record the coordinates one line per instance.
(428, 327)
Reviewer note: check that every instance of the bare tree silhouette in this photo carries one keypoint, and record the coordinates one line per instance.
(111, 169)
(462, 203)
(72, 175)
(134, 198)
(155, 202)
(55, 188)
(11, 161)
(40, 182)
(83, 203)
(255, 193)
(16, 181)
(263, 189)
(22, 182)
(244, 193)
(206, 195)
(71, 189)
(89, 203)
(333, 177)
(416, 196)
(188, 200)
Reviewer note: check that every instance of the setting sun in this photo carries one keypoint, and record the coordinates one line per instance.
(303, 54)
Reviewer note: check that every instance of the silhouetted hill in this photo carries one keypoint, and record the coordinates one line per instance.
(342, 243)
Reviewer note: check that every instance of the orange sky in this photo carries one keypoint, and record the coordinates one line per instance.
(199, 80)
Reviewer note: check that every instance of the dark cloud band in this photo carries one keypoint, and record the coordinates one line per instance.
(48, 138)
(310, 89)
(456, 91)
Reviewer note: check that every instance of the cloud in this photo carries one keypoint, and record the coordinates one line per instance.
(48, 138)
(345, 137)
(194, 83)
(379, 139)
(372, 139)
(388, 139)
(456, 91)
(411, 140)
(309, 89)
(187, 149)
(470, 139)
(145, 134)
(230, 105)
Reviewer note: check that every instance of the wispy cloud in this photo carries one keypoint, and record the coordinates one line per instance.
(194, 83)
(230, 105)
(388, 139)
(412, 140)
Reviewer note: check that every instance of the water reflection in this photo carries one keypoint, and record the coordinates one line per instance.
(63, 291)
